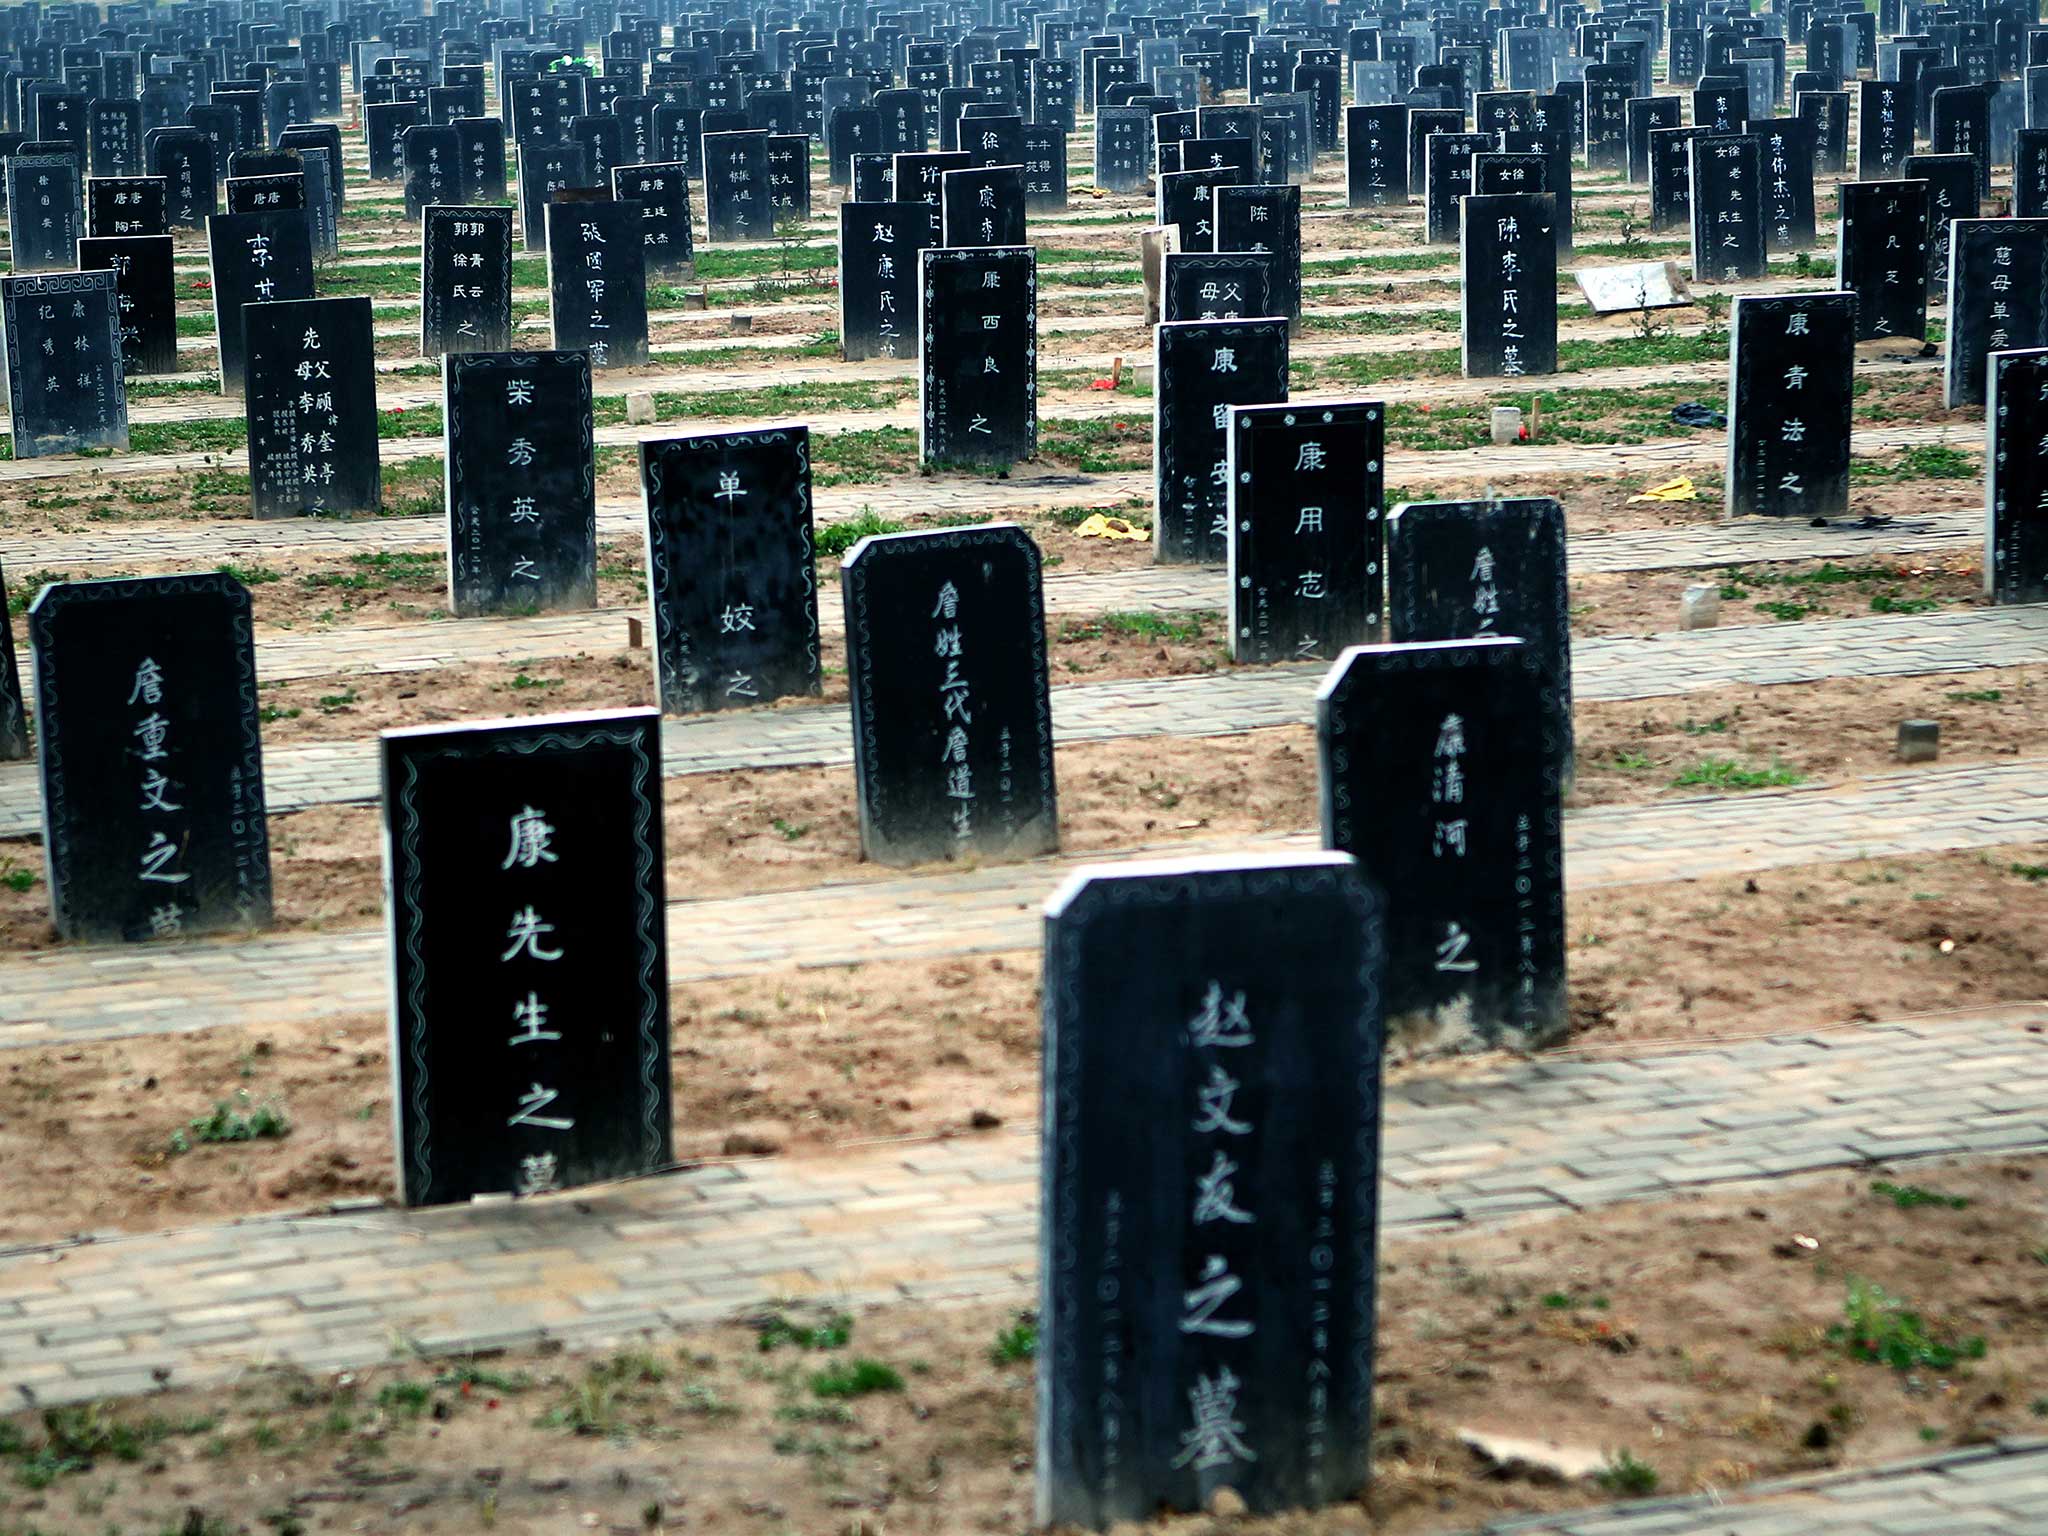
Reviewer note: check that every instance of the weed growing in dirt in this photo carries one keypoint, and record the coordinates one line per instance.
(1726, 773)
(251, 575)
(1017, 1343)
(1978, 696)
(1911, 1196)
(835, 539)
(856, 1378)
(776, 1328)
(2032, 872)
(1627, 1475)
(790, 831)
(227, 1123)
(1881, 1330)
(15, 878)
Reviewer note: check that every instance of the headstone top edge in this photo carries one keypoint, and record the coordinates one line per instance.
(1090, 877)
(518, 724)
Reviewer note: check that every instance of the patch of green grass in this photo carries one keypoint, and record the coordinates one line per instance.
(468, 1376)
(233, 1123)
(1886, 602)
(775, 1329)
(1627, 1475)
(790, 831)
(835, 539)
(1978, 696)
(1565, 1301)
(1632, 762)
(17, 879)
(26, 588)
(2032, 872)
(1713, 727)
(855, 1378)
(521, 682)
(1726, 773)
(1016, 1343)
(1787, 613)
(406, 1399)
(270, 714)
(1184, 628)
(1909, 1197)
(1880, 1329)
(251, 575)
(330, 702)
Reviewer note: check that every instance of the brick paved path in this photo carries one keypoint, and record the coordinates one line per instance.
(75, 993)
(946, 1220)
(1993, 1490)
(1215, 704)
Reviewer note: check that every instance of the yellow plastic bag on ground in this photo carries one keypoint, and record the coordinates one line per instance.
(1100, 527)
(1681, 489)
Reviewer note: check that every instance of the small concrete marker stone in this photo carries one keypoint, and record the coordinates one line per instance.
(639, 409)
(1919, 741)
(1700, 607)
(1507, 425)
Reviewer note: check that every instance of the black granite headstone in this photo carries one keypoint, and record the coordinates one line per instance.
(732, 573)
(1201, 368)
(262, 194)
(253, 258)
(952, 718)
(431, 160)
(146, 298)
(1045, 169)
(114, 136)
(1210, 285)
(1210, 1207)
(1123, 149)
(1376, 156)
(1645, 114)
(13, 717)
(481, 142)
(43, 212)
(1441, 775)
(1884, 128)
(1881, 256)
(662, 192)
(2016, 465)
(521, 499)
(1727, 208)
(789, 176)
(1447, 177)
(1671, 177)
(64, 378)
(1307, 534)
(311, 403)
(978, 374)
(983, 206)
(2030, 172)
(127, 205)
(1951, 195)
(152, 679)
(1997, 300)
(879, 277)
(597, 282)
(544, 170)
(1828, 112)
(1266, 218)
(465, 280)
(1787, 176)
(736, 191)
(529, 1022)
(1508, 299)
(384, 126)
(1791, 364)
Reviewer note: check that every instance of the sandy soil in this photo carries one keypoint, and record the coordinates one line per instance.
(1632, 1329)
(800, 1063)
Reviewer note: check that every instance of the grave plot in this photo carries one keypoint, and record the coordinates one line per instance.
(872, 571)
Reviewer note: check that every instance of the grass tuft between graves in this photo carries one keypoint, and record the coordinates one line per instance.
(1726, 773)
(835, 539)
(1881, 1329)
(1909, 1197)
(228, 1123)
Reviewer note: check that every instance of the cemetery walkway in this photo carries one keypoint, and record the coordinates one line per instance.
(75, 993)
(957, 1219)
(1222, 703)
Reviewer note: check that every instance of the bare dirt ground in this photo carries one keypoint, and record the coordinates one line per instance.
(797, 1064)
(1630, 1333)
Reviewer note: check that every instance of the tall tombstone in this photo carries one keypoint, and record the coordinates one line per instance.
(1265, 218)
(1881, 256)
(482, 144)
(146, 300)
(65, 390)
(1508, 299)
(544, 170)
(1201, 368)
(1997, 300)
(597, 282)
(1307, 538)
(151, 763)
(661, 191)
(465, 280)
(311, 404)
(978, 367)
(385, 125)
(1376, 156)
(1787, 182)
(1207, 1280)
(1647, 114)
(1045, 169)
(519, 486)
(323, 207)
(43, 212)
(952, 714)
(13, 716)
(789, 176)
(983, 205)
(1884, 128)
(736, 191)
(1123, 150)
(529, 1023)
(1951, 195)
(127, 205)
(1727, 208)
(1447, 178)
(1962, 126)
(432, 165)
(879, 277)
(1828, 113)
(731, 568)
(1671, 178)
(253, 258)
(1441, 773)
(2016, 478)
(2030, 172)
(1791, 366)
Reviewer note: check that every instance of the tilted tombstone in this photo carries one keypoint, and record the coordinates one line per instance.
(1997, 300)
(879, 278)
(544, 170)
(2016, 478)
(662, 194)
(731, 568)
(465, 280)
(146, 296)
(1727, 208)
(65, 388)
(150, 759)
(1210, 285)
(1508, 298)
(432, 165)
(1447, 177)
(1951, 195)
(1201, 368)
(1791, 362)
(1884, 128)
(1441, 772)
(597, 282)
(1881, 256)
(529, 1023)
(43, 212)
(1211, 1205)
(1376, 156)
(983, 206)
(736, 192)
(1307, 538)
(311, 404)
(1671, 178)
(1787, 178)
(127, 205)
(253, 258)
(521, 498)
(1266, 218)
(952, 715)
(978, 367)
